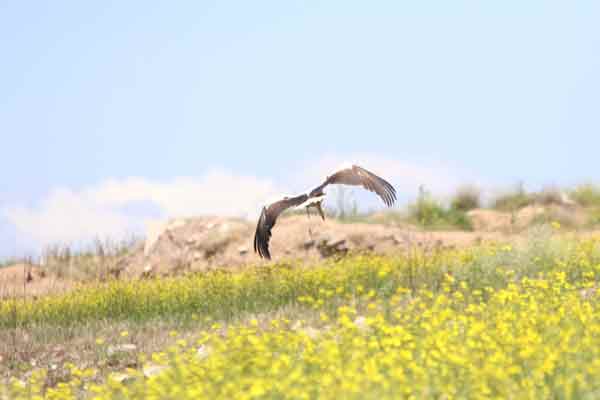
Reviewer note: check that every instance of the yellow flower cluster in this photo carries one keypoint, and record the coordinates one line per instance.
(527, 336)
(220, 294)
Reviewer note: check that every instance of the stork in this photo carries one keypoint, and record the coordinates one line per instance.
(350, 175)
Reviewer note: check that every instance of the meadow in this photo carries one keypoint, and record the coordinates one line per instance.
(519, 320)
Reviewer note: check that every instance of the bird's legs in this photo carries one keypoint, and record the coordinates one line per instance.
(316, 205)
(320, 210)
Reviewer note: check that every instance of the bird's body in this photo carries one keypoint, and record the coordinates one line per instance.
(351, 175)
(311, 201)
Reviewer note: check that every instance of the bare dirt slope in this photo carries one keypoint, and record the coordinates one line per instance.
(200, 244)
(204, 243)
(501, 221)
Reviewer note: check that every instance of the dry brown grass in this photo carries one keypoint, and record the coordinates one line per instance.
(110, 346)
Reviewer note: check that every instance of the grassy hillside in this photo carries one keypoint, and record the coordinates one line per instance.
(490, 321)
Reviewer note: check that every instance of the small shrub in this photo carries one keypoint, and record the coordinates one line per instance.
(459, 219)
(425, 211)
(466, 198)
(594, 217)
(513, 201)
(429, 213)
(549, 195)
(586, 195)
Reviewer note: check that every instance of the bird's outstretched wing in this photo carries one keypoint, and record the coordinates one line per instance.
(359, 176)
(267, 221)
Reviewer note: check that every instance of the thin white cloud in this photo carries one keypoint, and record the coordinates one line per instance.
(216, 192)
(68, 216)
(111, 208)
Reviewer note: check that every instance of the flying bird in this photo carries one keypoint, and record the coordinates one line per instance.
(351, 175)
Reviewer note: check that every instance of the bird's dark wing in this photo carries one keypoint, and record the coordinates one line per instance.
(359, 176)
(267, 221)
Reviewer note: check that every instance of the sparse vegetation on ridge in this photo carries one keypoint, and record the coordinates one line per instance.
(466, 198)
(430, 214)
(594, 217)
(586, 195)
(550, 195)
(96, 261)
(514, 200)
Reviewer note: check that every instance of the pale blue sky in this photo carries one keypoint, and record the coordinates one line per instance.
(95, 92)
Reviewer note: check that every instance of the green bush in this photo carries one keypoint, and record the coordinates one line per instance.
(459, 219)
(513, 201)
(426, 211)
(586, 195)
(466, 198)
(594, 217)
(429, 213)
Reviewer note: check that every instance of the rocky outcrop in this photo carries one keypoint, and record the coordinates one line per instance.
(205, 243)
(190, 244)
